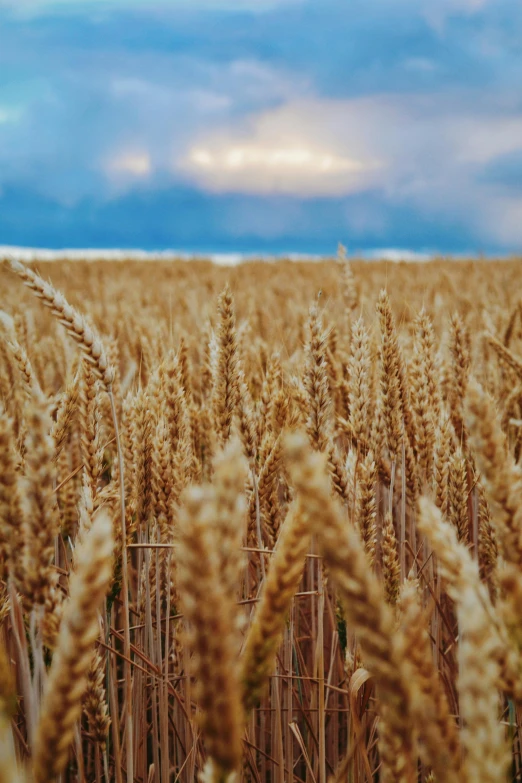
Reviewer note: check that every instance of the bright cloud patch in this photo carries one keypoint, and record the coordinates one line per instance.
(297, 149)
(133, 164)
(257, 168)
(258, 157)
(406, 148)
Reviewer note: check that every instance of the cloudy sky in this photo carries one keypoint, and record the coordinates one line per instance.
(261, 125)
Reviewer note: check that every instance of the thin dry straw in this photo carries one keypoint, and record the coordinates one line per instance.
(8, 700)
(67, 680)
(10, 770)
(363, 602)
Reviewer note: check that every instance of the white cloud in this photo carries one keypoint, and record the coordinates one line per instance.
(396, 254)
(481, 141)
(284, 169)
(425, 150)
(308, 147)
(403, 144)
(134, 164)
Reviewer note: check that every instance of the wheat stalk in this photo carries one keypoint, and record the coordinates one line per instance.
(67, 680)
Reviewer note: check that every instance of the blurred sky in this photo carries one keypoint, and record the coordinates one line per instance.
(262, 125)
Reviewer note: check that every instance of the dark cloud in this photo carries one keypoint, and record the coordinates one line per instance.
(174, 218)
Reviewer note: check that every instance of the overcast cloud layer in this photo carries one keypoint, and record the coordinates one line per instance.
(268, 125)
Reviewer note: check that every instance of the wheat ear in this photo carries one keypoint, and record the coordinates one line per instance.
(282, 581)
(460, 367)
(483, 737)
(96, 355)
(212, 636)
(11, 538)
(75, 324)
(42, 521)
(438, 741)
(505, 354)
(461, 574)
(226, 381)
(359, 382)
(497, 470)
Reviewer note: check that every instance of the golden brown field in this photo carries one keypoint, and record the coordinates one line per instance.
(313, 571)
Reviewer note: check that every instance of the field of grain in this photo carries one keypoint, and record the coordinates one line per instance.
(260, 523)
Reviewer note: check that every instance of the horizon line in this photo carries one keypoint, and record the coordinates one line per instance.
(220, 258)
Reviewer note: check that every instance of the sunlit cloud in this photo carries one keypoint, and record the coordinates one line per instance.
(408, 148)
(290, 158)
(291, 170)
(275, 158)
(134, 164)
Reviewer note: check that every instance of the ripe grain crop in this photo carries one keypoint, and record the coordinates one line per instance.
(260, 523)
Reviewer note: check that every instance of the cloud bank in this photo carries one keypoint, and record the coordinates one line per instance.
(229, 124)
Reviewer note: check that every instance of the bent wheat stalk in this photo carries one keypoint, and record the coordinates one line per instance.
(75, 324)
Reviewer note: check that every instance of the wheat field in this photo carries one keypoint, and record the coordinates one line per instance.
(260, 523)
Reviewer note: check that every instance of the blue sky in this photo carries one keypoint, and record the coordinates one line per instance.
(262, 125)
